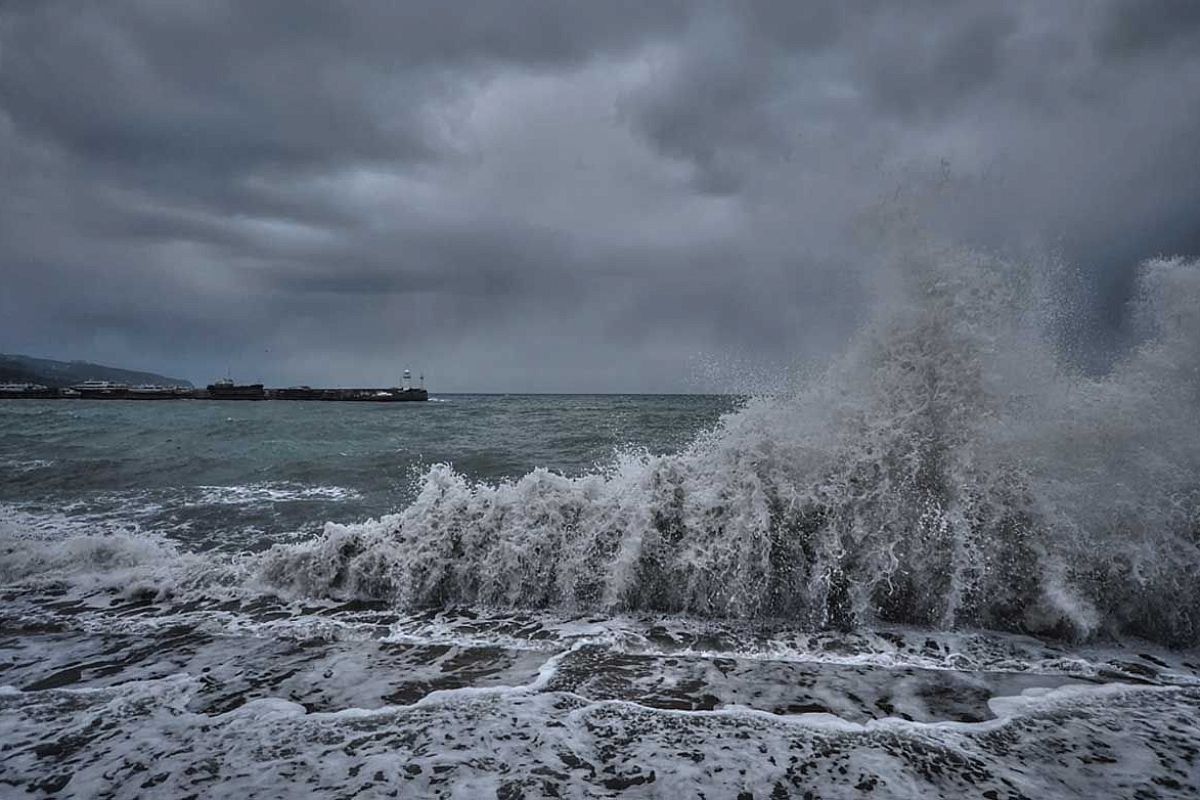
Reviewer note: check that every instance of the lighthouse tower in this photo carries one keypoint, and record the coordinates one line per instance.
(407, 384)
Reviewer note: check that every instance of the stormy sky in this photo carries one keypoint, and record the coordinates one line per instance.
(560, 196)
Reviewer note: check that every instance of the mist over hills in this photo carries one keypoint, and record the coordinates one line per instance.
(57, 374)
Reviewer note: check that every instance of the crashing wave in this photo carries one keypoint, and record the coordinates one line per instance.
(946, 471)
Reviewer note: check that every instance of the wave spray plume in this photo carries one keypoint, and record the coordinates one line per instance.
(947, 470)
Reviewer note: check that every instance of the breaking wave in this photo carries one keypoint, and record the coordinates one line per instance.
(948, 470)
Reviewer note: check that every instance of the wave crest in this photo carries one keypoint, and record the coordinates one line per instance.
(947, 470)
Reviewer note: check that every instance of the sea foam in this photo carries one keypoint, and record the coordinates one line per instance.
(947, 470)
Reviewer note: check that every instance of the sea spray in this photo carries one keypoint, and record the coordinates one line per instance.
(946, 471)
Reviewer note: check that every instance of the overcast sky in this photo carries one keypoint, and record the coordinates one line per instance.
(558, 196)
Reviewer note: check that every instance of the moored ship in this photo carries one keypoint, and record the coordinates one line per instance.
(102, 390)
(153, 392)
(226, 389)
(26, 390)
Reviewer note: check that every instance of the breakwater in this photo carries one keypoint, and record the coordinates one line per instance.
(216, 392)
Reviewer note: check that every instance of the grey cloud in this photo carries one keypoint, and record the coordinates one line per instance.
(493, 263)
(1133, 27)
(560, 195)
(914, 71)
(275, 83)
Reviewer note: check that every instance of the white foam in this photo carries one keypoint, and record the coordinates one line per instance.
(25, 465)
(908, 484)
(259, 494)
(530, 741)
(24, 523)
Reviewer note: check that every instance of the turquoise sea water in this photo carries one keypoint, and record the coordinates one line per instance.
(240, 475)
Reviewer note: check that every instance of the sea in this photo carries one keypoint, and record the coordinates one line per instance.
(946, 564)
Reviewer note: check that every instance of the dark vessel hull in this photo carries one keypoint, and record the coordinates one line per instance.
(103, 394)
(251, 391)
(165, 395)
(29, 394)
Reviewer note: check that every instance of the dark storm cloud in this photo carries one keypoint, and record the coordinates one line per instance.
(559, 195)
(1133, 27)
(226, 86)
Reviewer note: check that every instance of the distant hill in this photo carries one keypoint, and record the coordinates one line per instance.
(24, 369)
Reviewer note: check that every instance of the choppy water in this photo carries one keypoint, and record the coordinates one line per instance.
(244, 475)
(948, 566)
